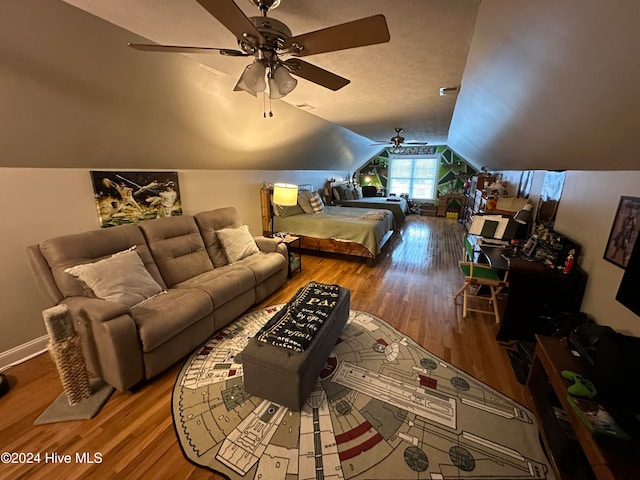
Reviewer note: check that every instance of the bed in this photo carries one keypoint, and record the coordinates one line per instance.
(343, 230)
(397, 205)
(348, 195)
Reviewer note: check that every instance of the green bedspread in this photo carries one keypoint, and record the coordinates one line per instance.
(340, 223)
(398, 206)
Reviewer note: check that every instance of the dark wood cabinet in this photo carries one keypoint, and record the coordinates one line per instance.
(574, 452)
(535, 295)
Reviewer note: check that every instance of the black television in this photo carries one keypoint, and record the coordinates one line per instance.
(628, 294)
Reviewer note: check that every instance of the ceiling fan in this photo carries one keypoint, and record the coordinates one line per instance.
(268, 40)
(397, 142)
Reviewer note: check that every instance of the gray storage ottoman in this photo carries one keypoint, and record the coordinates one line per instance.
(286, 376)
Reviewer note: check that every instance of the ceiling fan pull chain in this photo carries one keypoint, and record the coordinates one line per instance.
(264, 106)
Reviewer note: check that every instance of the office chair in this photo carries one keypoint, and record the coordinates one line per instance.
(478, 275)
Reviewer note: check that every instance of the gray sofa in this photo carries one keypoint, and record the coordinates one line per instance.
(200, 291)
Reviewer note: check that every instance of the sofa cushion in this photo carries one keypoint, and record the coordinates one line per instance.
(87, 247)
(160, 318)
(211, 221)
(222, 284)
(264, 265)
(177, 248)
(237, 243)
(121, 278)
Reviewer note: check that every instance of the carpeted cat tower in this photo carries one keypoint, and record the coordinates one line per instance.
(83, 397)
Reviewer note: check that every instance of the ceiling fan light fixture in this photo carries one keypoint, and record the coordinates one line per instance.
(274, 91)
(281, 82)
(283, 79)
(252, 79)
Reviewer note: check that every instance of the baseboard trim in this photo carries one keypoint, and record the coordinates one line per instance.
(23, 352)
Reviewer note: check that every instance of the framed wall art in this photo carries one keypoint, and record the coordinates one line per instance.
(131, 197)
(624, 231)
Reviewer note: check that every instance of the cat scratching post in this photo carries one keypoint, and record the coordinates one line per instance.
(82, 398)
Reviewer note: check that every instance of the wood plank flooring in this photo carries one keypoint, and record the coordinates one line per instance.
(412, 288)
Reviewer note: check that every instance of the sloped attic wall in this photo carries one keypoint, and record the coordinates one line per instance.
(70, 83)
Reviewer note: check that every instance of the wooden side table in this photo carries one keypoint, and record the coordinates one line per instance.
(293, 244)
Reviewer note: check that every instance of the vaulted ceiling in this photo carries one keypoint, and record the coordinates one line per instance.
(543, 85)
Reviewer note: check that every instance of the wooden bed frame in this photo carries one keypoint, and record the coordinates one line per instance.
(329, 245)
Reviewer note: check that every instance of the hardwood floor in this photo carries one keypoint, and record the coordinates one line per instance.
(412, 288)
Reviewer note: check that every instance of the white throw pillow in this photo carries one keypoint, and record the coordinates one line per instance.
(121, 278)
(237, 243)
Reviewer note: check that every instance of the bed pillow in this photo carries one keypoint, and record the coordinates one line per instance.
(237, 243)
(289, 211)
(347, 192)
(303, 200)
(316, 203)
(121, 278)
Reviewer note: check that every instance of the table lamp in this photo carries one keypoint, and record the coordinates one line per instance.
(284, 195)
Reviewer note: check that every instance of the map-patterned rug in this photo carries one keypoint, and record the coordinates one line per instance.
(383, 408)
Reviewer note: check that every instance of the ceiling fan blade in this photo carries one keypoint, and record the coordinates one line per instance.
(314, 74)
(181, 49)
(234, 19)
(358, 33)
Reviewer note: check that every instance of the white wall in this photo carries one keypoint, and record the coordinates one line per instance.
(586, 214)
(42, 203)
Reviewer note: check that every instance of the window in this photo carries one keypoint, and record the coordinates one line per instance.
(415, 176)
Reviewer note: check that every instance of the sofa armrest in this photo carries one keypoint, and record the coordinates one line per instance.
(275, 244)
(94, 309)
(266, 244)
(109, 338)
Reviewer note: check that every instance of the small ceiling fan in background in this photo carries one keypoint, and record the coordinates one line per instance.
(268, 40)
(397, 142)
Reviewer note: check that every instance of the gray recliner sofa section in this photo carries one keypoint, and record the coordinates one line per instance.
(203, 291)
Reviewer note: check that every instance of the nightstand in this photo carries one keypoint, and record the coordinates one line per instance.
(293, 244)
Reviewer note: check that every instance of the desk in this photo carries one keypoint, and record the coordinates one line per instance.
(572, 459)
(535, 293)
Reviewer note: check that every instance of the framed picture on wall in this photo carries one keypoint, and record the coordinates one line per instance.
(129, 197)
(624, 232)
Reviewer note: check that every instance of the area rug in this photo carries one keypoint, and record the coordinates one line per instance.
(383, 408)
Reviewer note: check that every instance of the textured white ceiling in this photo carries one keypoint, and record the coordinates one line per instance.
(395, 84)
(544, 85)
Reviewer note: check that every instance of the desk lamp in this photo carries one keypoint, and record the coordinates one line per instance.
(523, 216)
(284, 195)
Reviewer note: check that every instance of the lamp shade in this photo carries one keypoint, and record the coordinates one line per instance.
(523, 216)
(281, 82)
(285, 194)
(252, 79)
(274, 91)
